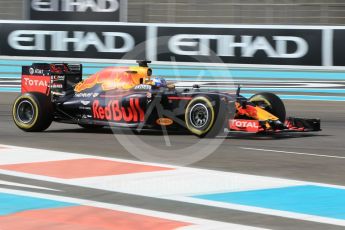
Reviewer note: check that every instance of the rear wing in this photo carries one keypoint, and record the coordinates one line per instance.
(50, 78)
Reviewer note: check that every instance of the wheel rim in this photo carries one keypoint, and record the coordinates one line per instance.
(25, 111)
(199, 115)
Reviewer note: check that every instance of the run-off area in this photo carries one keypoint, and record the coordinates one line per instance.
(300, 200)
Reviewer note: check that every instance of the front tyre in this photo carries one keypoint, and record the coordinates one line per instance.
(271, 103)
(32, 112)
(200, 117)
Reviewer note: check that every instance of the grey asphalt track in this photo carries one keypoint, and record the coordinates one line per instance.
(294, 159)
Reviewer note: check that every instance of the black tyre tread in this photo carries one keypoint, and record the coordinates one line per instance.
(278, 107)
(219, 123)
(219, 118)
(45, 111)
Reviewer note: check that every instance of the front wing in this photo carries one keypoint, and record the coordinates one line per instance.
(291, 124)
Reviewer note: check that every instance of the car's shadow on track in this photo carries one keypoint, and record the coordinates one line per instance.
(119, 131)
(238, 136)
(275, 136)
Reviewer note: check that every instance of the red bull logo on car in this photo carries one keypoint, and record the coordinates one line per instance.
(114, 111)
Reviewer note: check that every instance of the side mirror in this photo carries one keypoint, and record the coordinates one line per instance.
(238, 91)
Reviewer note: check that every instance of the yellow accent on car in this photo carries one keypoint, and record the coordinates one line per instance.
(141, 72)
(263, 115)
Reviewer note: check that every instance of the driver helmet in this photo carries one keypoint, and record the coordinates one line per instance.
(158, 82)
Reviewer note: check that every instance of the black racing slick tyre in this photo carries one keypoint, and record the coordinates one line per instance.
(203, 117)
(32, 112)
(271, 103)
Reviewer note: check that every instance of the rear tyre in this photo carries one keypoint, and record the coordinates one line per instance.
(271, 103)
(32, 112)
(202, 117)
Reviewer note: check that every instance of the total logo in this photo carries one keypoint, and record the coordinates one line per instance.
(245, 123)
(113, 111)
(39, 84)
(36, 82)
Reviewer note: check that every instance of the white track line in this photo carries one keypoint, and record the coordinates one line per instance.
(10, 86)
(294, 153)
(2, 182)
